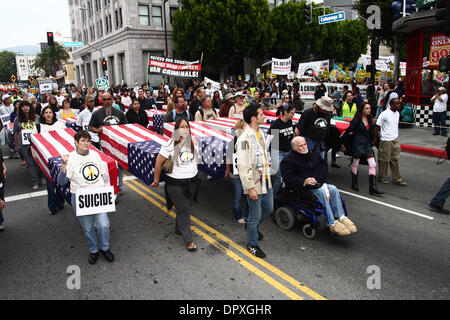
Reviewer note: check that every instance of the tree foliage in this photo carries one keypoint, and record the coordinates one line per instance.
(7, 65)
(50, 57)
(224, 31)
(343, 41)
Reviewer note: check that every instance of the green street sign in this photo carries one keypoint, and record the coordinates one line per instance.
(423, 4)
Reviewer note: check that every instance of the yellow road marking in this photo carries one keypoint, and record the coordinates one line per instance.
(222, 237)
(292, 295)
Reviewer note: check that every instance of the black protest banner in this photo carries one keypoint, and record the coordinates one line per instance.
(174, 68)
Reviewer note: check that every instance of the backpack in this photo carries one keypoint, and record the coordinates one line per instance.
(174, 114)
(203, 113)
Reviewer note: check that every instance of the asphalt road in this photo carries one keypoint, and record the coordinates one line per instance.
(152, 263)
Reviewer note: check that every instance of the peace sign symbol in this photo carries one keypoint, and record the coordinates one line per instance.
(28, 126)
(90, 172)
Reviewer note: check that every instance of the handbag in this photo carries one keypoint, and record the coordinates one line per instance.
(168, 165)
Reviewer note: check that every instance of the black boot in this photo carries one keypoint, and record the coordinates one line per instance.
(355, 182)
(373, 186)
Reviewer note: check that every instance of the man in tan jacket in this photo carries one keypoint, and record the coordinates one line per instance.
(254, 172)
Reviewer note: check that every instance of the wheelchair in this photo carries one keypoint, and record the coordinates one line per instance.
(294, 205)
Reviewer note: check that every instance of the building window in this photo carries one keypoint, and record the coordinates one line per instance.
(144, 15)
(110, 23)
(90, 8)
(120, 18)
(98, 5)
(107, 25)
(118, 14)
(172, 13)
(157, 15)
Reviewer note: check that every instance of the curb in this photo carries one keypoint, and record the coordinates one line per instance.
(430, 152)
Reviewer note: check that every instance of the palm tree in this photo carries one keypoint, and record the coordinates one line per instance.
(50, 57)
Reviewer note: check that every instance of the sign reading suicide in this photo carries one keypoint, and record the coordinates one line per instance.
(281, 66)
(90, 201)
(174, 68)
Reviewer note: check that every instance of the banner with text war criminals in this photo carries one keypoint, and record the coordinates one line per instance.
(281, 66)
(174, 68)
(312, 69)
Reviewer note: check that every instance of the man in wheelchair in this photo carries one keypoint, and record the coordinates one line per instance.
(306, 170)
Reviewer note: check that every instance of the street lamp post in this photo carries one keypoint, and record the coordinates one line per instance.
(100, 40)
(165, 32)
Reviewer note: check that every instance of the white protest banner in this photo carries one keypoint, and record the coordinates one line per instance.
(45, 86)
(307, 89)
(5, 119)
(90, 201)
(381, 64)
(174, 68)
(281, 66)
(102, 83)
(311, 69)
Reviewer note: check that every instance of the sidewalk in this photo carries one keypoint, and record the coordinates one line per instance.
(420, 140)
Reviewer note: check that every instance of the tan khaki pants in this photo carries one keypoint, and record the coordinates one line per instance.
(389, 155)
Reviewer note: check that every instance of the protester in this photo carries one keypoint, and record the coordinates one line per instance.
(145, 103)
(380, 94)
(386, 130)
(237, 110)
(304, 169)
(59, 98)
(216, 101)
(196, 103)
(77, 102)
(73, 167)
(226, 106)
(118, 103)
(349, 107)
(357, 97)
(24, 126)
(180, 111)
(84, 118)
(125, 99)
(66, 111)
(137, 114)
(438, 202)
(238, 192)
(440, 100)
(2, 190)
(283, 131)
(254, 172)
(181, 184)
(49, 122)
(207, 112)
(389, 95)
(362, 130)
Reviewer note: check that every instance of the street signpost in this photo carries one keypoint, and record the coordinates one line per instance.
(13, 78)
(73, 44)
(332, 17)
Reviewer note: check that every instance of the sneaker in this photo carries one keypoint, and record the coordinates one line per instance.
(438, 209)
(35, 187)
(256, 251)
(384, 180)
(108, 255)
(2, 228)
(349, 224)
(52, 212)
(93, 258)
(340, 229)
(401, 183)
(241, 220)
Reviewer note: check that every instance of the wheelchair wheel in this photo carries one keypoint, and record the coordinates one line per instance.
(308, 231)
(285, 218)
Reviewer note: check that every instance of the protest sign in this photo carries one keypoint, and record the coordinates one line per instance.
(174, 68)
(102, 83)
(45, 86)
(281, 66)
(90, 201)
(5, 119)
(440, 47)
(311, 69)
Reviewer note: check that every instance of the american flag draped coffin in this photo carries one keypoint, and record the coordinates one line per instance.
(198, 129)
(156, 119)
(54, 165)
(69, 123)
(271, 116)
(213, 156)
(142, 159)
(227, 125)
(48, 147)
(115, 141)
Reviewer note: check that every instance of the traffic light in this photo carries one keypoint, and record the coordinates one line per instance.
(443, 15)
(104, 65)
(308, 12)
(50, 39)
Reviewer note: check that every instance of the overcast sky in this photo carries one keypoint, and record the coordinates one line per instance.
(29, 20)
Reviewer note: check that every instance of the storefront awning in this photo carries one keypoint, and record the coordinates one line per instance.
(417, 20)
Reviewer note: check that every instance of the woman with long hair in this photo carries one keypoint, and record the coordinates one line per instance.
(66, 111)
(180, 158)
(53, 103)
(216, 101)
(24, 126)
(137, 114)
(362, 128)
(49, 122)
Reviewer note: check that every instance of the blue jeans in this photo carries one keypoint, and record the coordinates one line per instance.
(89, 224)
(121, 170)
(321, 147)
(439, 120)
(379, 111)
(442, 195)
(238, 194)
(1, 218)
(54, 198)
(258, 211)
(33, 168)
(334, 206)
(276, 165)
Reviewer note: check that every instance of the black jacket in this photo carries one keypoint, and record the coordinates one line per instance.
(296, 168)
(139, 118)
(361, 137)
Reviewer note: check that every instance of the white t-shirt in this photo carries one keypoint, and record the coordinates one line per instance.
(6, 110)
(185, 166)
(388, 122)
(126, 101)
(440, 106)
(60, 100)
(83, 121)
(58, 125)
(85, 171)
